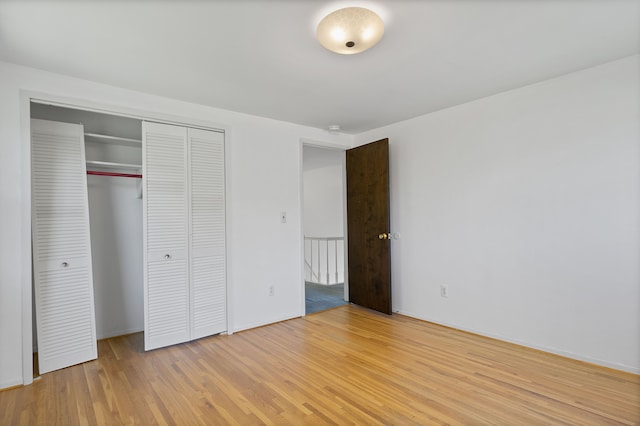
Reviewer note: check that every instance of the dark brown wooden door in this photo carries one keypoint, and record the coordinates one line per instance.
(369, 262)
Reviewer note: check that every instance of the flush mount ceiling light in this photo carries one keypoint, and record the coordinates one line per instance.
(350, 30)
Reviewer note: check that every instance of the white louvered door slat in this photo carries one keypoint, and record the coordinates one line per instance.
(166, 276)
(207, 255)
(65, 313)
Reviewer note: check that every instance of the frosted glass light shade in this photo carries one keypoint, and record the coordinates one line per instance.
(350, 30)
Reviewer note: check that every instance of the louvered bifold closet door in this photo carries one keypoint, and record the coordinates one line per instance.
(166, 281)
(63, 279)
(207, 258)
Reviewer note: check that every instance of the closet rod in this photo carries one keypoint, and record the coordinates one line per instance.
(127, 175)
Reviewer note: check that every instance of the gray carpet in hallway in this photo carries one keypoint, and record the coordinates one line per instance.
(320, 297)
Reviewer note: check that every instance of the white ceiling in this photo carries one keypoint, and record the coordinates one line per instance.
(262, 58)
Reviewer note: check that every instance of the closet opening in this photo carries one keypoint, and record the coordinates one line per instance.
(128, 232)
(113, 155)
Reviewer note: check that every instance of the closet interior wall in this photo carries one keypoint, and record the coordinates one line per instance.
(115, 215)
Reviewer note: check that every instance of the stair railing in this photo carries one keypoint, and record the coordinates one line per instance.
(324, 259)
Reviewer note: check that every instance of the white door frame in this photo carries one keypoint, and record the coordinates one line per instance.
(26, 97)
(326, 145)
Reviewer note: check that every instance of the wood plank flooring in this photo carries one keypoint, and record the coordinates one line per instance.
(347, 365)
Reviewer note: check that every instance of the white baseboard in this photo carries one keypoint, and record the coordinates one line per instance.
(263, 323)
(578, 357)
(11, 383)
(119, 333)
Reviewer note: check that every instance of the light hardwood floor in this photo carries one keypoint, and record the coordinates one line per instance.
(343, 366)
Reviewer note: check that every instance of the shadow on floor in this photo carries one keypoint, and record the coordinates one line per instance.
(320, 297)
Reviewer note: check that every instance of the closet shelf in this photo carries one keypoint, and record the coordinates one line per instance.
(114, 165)
(108, 138)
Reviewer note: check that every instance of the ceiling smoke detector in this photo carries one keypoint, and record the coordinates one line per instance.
(334, 129)
(350, 30)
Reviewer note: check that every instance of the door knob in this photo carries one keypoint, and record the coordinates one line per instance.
(65, 264)
(167, 256)
(383, 236)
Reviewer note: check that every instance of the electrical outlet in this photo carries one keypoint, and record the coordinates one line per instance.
(271, 290)
(444, 291)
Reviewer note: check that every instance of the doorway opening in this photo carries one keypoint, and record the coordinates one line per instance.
(324, 223)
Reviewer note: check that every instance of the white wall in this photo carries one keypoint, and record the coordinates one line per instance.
(264, 172)
(115, 214)
(323, 171)
(526, 205)
(323, 202)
